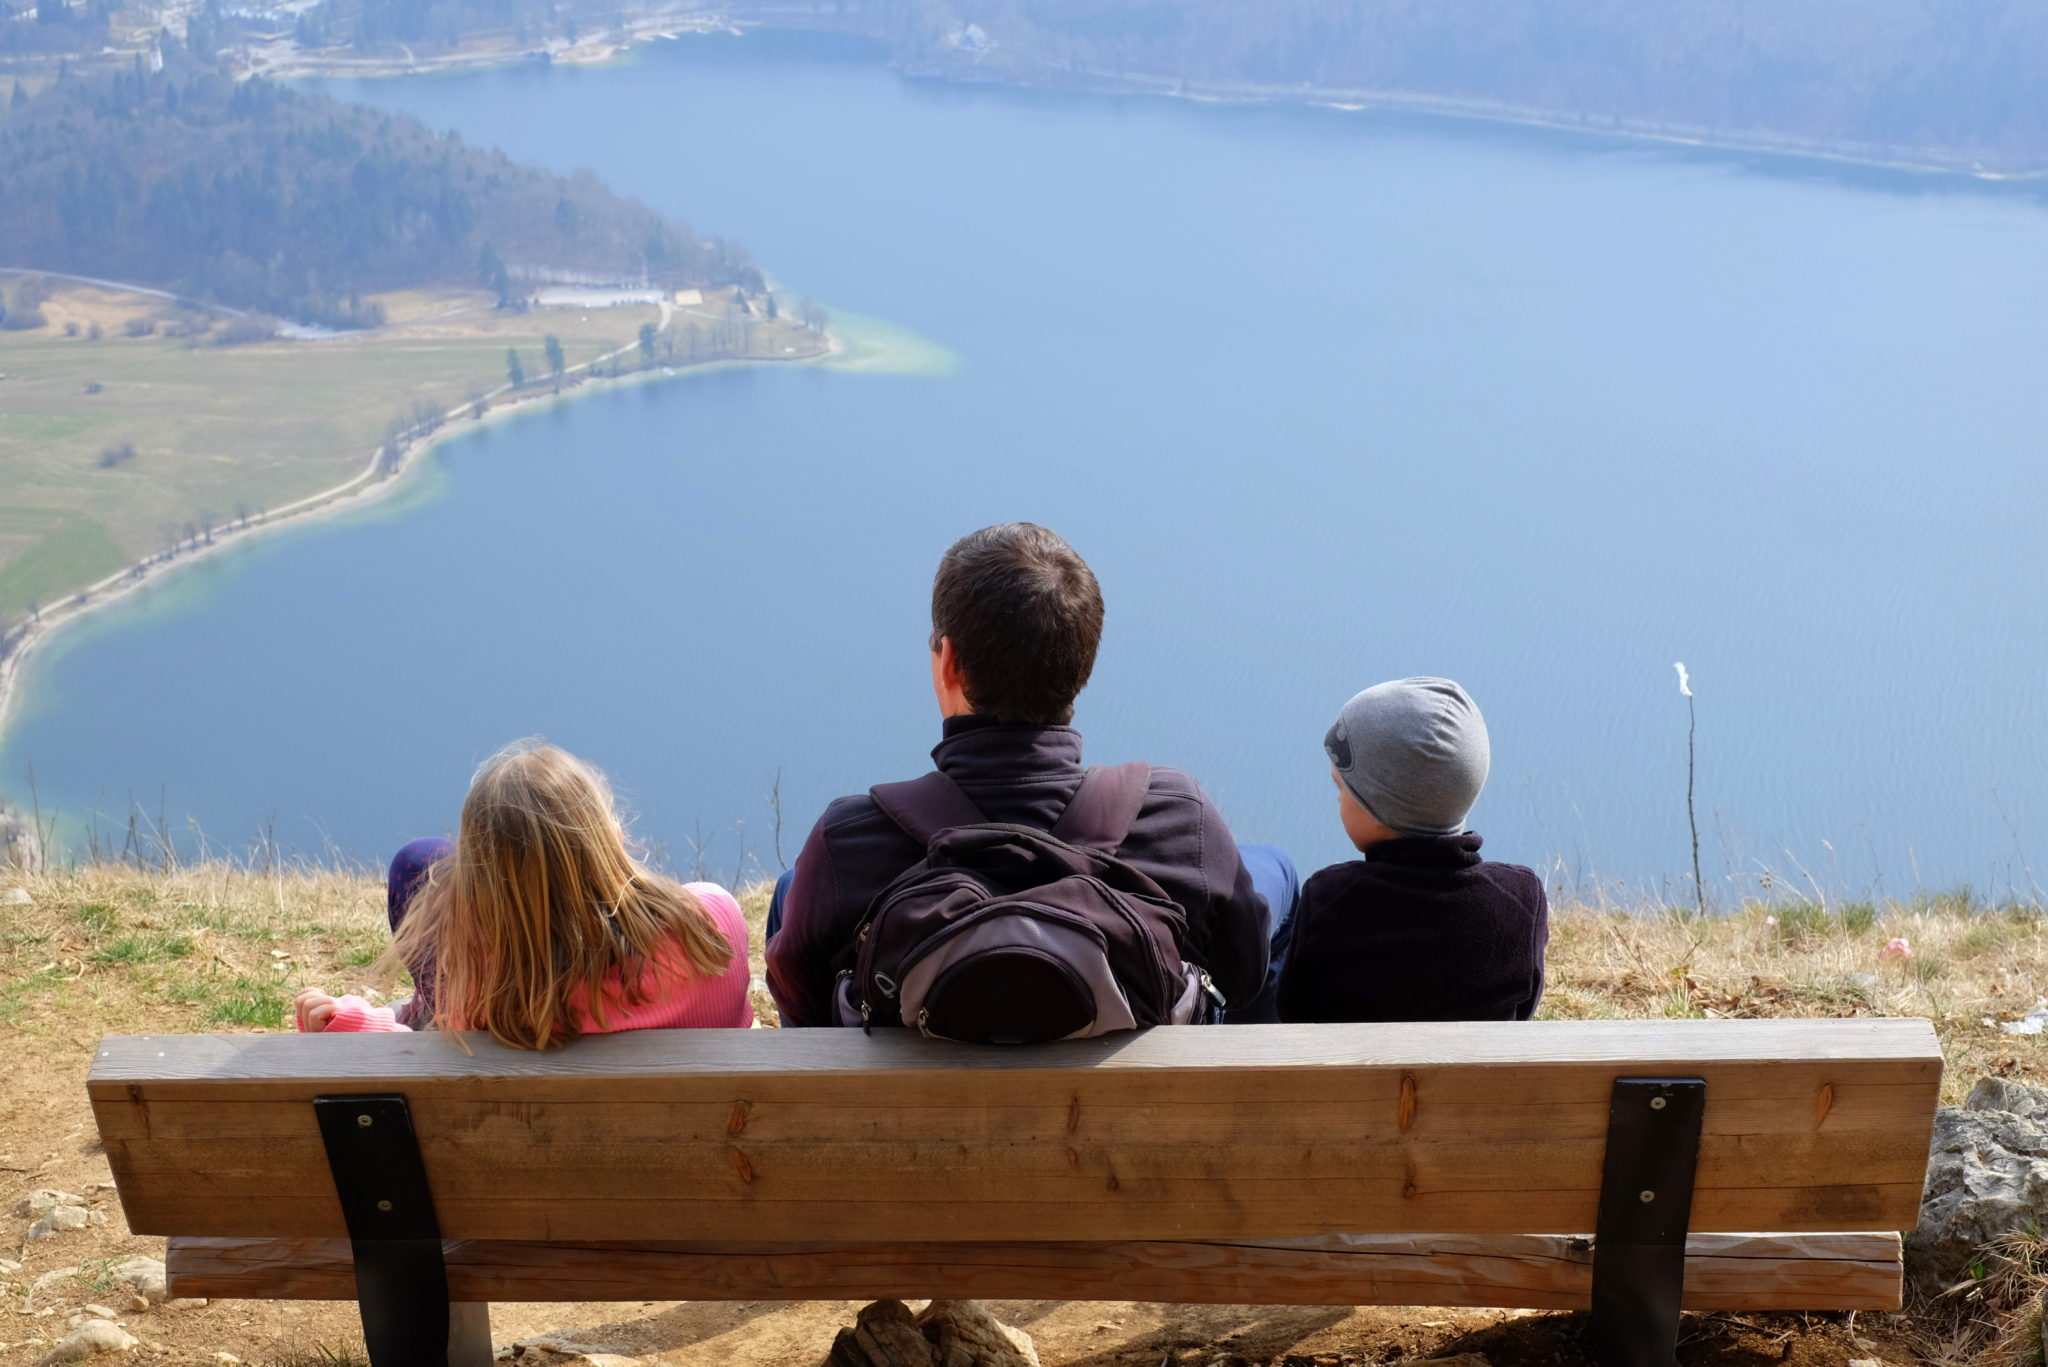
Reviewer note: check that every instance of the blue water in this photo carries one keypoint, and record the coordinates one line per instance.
(1325, 398)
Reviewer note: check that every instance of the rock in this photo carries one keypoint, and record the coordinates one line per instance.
(227, 1360)
(88, 1340)
(1861, 982)
(186, 1303)
(43, 1200)
(1987, 1175)
(146, 1276)
(98, 1312)
(947, 1334)
(1864, 1362)
(63, 1219)
(8, 1266)
(884, 1334)
(964, 1334)
(1997, 1094)
(17, 897)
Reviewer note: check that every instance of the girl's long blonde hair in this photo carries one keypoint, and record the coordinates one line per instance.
(541, 902)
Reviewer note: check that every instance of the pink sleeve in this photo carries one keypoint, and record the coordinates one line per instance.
(355, 1014)
(734, 1005)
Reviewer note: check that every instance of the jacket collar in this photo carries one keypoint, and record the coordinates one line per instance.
(976, 749)
(1428, 851)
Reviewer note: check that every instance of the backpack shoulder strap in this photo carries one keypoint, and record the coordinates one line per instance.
(923, 807)
(1102, 810)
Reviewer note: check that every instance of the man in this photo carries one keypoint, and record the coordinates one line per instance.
(1016, 618)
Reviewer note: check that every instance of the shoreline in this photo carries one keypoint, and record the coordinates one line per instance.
(1088, 80)
(371, 485)
(1053, 78)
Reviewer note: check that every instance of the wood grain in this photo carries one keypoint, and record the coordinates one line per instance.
(1174, 1134)
(1545, 1272)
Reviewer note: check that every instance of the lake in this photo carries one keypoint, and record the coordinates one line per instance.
(1326, 398)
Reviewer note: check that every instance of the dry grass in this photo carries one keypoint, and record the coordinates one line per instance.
(217, 946)
(1971, 967)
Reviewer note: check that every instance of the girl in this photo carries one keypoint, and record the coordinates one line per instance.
(537, 926)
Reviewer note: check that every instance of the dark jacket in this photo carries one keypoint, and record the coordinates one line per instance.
(1022, 775)
(1421, 929)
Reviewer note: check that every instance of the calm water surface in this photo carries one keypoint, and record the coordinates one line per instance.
(1325, 399)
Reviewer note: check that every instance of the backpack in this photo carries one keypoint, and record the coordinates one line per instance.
(1007, 934)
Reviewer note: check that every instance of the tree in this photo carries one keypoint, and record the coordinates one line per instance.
(648, 332)
(20, 97)
(556, 360)
(514, 371)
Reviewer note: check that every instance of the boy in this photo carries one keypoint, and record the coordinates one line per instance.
(1422, 928)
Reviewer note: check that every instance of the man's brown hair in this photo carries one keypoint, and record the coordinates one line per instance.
(1024, 614)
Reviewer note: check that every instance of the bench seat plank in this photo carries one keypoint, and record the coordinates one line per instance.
(1250, 1132)
(1542, 1272)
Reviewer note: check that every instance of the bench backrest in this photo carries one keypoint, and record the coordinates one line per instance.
(1235, 1132)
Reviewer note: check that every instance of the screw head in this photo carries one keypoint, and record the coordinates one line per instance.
(386, 1205)
(365, 1121)
(1658, 1103)
(1647, 1197)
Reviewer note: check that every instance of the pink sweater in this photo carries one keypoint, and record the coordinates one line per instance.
(691, 1002)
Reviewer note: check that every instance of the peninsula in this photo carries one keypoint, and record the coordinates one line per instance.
(227, 304)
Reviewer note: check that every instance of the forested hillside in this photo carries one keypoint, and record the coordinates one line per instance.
(264, 197)
(1952, 81)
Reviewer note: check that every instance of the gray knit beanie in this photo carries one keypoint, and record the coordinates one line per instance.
(1414, 752)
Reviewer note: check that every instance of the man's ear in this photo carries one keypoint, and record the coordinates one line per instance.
(947, 665)
(949, 682)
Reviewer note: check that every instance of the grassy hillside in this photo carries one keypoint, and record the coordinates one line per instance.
(214, 948)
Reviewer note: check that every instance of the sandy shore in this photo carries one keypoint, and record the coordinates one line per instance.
(364, 489)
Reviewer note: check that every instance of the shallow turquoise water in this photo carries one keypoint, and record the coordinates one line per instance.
(1325, 398)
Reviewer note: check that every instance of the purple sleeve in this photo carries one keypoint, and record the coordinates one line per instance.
(802, 954)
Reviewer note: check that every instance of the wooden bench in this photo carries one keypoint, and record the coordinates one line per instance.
(1188, 1164)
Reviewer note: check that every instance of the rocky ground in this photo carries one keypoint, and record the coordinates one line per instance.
(212, 948)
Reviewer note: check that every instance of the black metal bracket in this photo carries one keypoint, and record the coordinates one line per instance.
(401, 1277)
(1646, 1180)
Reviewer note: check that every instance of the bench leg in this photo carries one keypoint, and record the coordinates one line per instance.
(408, 1320)
(401, 1276)
(1653, 1148)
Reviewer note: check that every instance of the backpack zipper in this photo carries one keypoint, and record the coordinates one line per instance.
(863, 964)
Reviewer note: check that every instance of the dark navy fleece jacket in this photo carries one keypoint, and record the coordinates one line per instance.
(1021, 774)
(1421, 929)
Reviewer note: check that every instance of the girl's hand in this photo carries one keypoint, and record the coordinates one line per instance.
(315, 1009)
